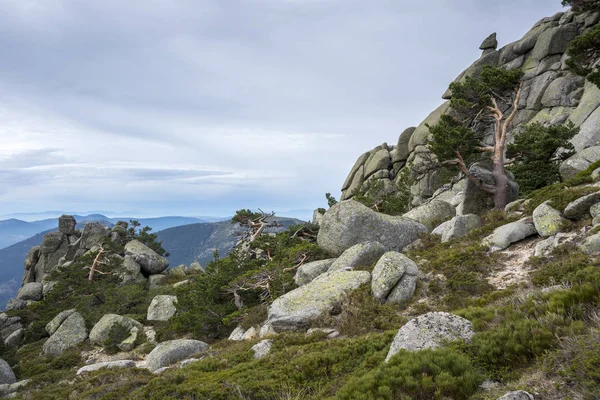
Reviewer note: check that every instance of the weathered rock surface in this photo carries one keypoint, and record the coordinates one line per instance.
(580, 208)
(237, 334)
(508, 234)
(106, 364)
(517, 395)
(7, 389)
(31, 291)
(100, 333)
(549, 221)
(196, 268)
(394, 278)
(56, 322)
(172, 351)
(162, 308)
(349, 222)
(179, 271)
(262, 348)
(66, 224)
(432, 213)
(545, 247)
(457, 227)
(71, 332)
(157, 280)
(309, 271)
(359, 255)
(14, 339)
(6, 373)
(297, 308)
(93, 234)
(150, 261)
(429, 331)
(591, 244)
(579, 162)
(15, 304)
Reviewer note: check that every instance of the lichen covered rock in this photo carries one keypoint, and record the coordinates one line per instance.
(70, 333)
(296, 309)
(549, 221)
(309, 271)
(172, 351)
(432, 213)
(430, 331)
(359, 255)
(394, 278)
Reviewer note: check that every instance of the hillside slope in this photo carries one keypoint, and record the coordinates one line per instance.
(197, 242)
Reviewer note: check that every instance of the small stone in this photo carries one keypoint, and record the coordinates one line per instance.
(196, 268)
(107, 364)
(580, 208)
(262, 348)
(178, 271)
(508, 234)
(162, 308)
(250, 334)
(549, 221)
(517, 395)
(156, 280)
(237, 334)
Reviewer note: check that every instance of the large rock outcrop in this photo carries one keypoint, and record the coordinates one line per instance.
(349, 223)
(551, 94)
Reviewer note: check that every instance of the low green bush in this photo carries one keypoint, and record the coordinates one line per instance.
(427, 374)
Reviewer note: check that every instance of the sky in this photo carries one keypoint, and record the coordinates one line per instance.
(203, 107)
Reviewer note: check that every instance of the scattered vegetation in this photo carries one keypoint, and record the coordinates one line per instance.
(584, 51)
(561, 194)
(535, 157)
(582, 5)
(232, 286)
(394, 200)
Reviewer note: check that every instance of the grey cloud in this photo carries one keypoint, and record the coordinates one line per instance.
(269, 100)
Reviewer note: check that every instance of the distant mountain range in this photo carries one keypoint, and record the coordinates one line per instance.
(197, 242)
(15, 230)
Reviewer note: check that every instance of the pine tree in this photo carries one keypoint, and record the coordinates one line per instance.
(495, 94)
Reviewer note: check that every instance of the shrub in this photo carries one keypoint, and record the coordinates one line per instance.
(116, 335)
(584, 51)
(361, 313)
(511, 345)
(577, 363)
(534, 153)
(426, 374)
(375, 195)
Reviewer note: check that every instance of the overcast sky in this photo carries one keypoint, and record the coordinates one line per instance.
(202, 107)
